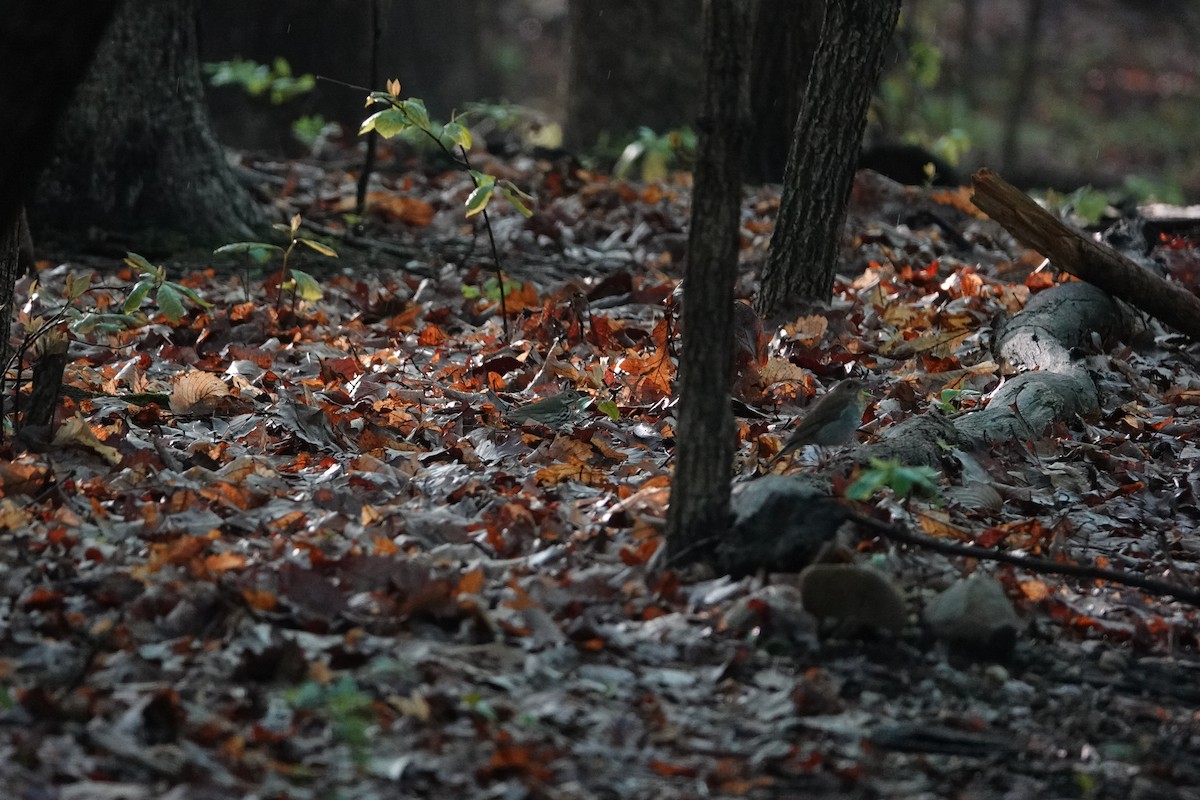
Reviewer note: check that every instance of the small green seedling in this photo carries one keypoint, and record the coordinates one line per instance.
(491, 289)
(168, 295)
(656, 152)
(348, 709)
(407, 116)
(301, 284)
(902, 480)
(951, 401)
(257, 79)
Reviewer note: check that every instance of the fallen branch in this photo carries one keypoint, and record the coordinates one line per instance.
(1154, 586)
(1076, 253)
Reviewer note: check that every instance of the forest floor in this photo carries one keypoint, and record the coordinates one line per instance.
(291, 548)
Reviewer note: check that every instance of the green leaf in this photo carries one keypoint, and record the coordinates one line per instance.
(307, 287)
(629, 156)
(654, 166)
(417, 115)
(1089, 204)
(105, 323)
(139, 263)
(516, 201)
(458, 133)
(478, 199)
(259, 251)
(902, 480)
(609, 409)
(169, 303)
(76, 287)
(323, 249)
(387, 123)
(189, 294)
(141, 290)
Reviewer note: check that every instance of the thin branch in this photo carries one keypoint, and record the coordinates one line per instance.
(1154, 586)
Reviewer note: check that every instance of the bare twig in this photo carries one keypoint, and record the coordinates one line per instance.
(1154, 586)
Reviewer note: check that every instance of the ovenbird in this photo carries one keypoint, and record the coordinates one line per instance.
(553, 412)
(832, 420)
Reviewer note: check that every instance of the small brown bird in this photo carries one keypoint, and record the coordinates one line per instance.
(833, 420)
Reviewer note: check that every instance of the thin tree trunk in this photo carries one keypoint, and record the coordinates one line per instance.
(704, 440)
(1023, 85)
(786, 34)
(824, 151)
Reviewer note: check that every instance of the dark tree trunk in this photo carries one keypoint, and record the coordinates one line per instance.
(135, 155)
(825, 147)
(968, 64)
(45, 48)
(786, 33)
(704, 442)
(632, 63)
(1024, 81)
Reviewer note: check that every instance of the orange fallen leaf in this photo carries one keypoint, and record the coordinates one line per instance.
(1035, 590)
(223, 562)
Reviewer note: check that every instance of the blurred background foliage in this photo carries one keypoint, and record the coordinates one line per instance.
(1057, 94)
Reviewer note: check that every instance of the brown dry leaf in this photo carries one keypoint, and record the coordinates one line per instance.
(223, 562)
(780, 370)
(398, 208)
(197, 393)
(415, 706)
(580, 473)
(176, 553)
(18, 478)
(260, 599)
(1035, 590)
(471, 582)
(807, 329)
(75, 431)
(937, 524)
(12, 516)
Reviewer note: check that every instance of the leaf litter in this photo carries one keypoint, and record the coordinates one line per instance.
(343, 571)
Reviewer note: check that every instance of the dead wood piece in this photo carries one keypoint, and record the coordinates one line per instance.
(1074, 252)
(47, 380)
(897, 533)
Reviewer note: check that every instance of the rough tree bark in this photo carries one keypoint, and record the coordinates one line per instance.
(45, 47)
(786, 34)
(824, 150)
(704, 439)
(135, 155)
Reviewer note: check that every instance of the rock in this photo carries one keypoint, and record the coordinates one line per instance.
(974, 618)
(858, 598)
(780, 524)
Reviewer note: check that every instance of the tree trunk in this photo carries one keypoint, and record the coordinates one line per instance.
(135, 155)
(1023, 84)
(632, 63)
(786, 34)
(45, 48)
(704, 439)
(812, 211)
